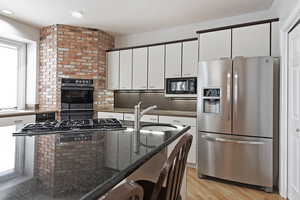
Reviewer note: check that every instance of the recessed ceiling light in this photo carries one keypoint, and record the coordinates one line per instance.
(7, 12)
(77, 14)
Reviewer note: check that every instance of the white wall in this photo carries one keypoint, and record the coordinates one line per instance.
(15, 30)
(188, 31)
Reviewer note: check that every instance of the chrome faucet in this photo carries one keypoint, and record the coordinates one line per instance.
(138, 114)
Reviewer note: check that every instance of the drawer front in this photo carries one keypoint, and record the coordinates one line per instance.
(118, 116)
(189, 121)
(7, 121)
(129, 117)
(150, 118)
(241, 159)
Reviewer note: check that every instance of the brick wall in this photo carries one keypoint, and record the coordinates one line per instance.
(70, 52)
(48, 68)
(73, 52)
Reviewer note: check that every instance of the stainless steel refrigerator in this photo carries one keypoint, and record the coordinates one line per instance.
(237, 119)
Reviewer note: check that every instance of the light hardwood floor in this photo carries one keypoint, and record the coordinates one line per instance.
(204, 189)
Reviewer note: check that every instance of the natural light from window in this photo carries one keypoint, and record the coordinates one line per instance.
(8, 76)
(7, 149)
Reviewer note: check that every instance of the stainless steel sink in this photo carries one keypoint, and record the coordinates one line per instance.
(159, 127)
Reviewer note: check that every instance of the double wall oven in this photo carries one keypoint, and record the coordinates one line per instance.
(77, 99)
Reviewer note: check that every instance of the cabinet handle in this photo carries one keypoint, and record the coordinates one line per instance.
(298, 130)
(187, 74)
(231, 141)
(152, 87)
(18, 121)
(176, 121)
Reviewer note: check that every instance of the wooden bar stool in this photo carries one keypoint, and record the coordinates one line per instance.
(126, 191)
(171, 174)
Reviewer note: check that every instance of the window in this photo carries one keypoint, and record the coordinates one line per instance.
(12, 74)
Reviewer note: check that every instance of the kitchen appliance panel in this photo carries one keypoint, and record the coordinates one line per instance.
(253, 96)
(214, 96)
(181, 87)
(236, 158)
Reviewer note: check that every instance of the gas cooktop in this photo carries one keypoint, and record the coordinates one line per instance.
(71, 126)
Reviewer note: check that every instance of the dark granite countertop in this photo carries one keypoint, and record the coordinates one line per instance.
(87, 169)
(155, 112)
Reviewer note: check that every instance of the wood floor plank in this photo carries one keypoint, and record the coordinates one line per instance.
(204, 189)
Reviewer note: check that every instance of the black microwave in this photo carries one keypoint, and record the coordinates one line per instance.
(181, 87)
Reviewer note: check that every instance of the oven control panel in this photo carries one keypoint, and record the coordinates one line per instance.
(77, 82)
(65, 138)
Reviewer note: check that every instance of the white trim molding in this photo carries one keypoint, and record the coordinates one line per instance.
(286, 26)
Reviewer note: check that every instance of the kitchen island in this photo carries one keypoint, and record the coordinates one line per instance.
(86, 165)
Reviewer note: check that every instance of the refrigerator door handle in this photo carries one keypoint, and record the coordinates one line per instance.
(229, 94)
(231, 141)
(235, 95)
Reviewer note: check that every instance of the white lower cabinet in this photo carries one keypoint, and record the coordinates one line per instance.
(145, 118)
(118, 116)
(17, 154)
(129, 117)
(193, 151)
(150, 118)
(10, 121)
(189, 121)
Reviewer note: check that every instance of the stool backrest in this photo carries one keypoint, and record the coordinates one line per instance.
(173, 170)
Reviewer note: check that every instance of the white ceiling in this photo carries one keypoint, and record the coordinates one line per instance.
(129, 16)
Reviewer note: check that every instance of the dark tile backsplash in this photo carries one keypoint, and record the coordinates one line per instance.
(128, 99)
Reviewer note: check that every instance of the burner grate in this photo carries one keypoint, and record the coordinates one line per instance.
(72, 125)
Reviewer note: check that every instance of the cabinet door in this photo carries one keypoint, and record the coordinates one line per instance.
(126, 69)
(215, 45)
(173, 60)
(189, 58)
(192, 154)
(139, 67)
(275, 51)
(251, 41)
(113, 70)
(156, 67)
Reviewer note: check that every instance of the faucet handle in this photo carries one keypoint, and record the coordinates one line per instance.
(139, 104)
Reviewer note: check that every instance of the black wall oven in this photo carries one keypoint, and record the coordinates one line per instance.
(77, 99)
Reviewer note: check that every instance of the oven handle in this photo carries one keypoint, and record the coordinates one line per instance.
(77, 88)
(231, 141)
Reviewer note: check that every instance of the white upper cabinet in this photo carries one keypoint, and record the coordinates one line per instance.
(275, 51)
(113, 59)
(251, 41)
(126, 69)
(173, 60)
(215, 45)
(189, 58)
(156, 67)
(139, 67)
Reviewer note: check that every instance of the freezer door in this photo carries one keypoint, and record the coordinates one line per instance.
(246, 160)
(253, 96)
(214, 96)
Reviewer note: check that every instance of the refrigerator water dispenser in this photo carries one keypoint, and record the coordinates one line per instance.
(211, 100)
